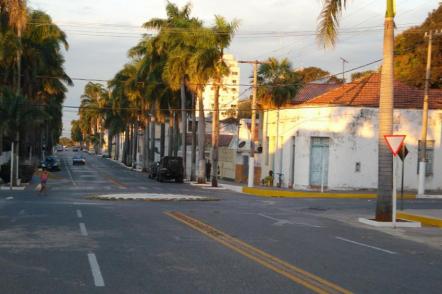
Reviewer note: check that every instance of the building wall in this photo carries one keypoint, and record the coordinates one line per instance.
(227, 163)
(5, 157)
(352, 133)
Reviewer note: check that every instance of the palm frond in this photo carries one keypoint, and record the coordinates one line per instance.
(329, 22)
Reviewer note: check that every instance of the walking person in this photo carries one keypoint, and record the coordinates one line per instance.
(208, 169)
(43, 180)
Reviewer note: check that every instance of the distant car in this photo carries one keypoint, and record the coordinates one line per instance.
(74, 149)
(51, 163)
(60, 148)
(153, 172)
(170, 168)
(78, 159)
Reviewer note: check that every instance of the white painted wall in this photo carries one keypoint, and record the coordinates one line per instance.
(353, 138)
(5, 157)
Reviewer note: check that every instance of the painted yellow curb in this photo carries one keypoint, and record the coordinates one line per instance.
(302, 194)
(424, 220)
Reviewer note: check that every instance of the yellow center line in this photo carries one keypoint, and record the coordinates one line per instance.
(108, 177)
(295, 274)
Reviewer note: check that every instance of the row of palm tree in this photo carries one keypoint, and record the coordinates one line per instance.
(32, 80)
(185, 55)
(165, 77)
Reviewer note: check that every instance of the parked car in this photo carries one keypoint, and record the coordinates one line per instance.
(60, 148)
(153, 172)
(78, 159)
(51, 163)
(170, 168)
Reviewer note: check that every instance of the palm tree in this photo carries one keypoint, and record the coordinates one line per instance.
(329, 22)
(32, 52)
(17, 115)
(92, 107)
(17, 14)
(278, 84)
(173, 32)
(224, 32)
(202, 67)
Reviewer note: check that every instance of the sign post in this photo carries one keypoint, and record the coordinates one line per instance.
(395, 143)
(402, 155)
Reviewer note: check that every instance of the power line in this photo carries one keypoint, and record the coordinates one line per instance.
(209, 84)
(274, 33)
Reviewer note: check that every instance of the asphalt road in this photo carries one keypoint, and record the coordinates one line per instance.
(64, 242)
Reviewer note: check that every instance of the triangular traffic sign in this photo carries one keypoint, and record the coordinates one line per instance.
(395, 142)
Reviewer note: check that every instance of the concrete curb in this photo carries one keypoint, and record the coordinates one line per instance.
(425, 196)
(399, 224)
(308, 194)
(424, 220)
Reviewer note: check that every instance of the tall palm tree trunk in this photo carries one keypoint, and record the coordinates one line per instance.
(183, 126)
(193, 155)
(176, 125)
(152, 142)
(146, 155)
(215, 134)
(135, 145)
(385, 159)
(109, 144)
(162, 139)
(201, 139)
(170, 135)
(117, 146)
(126, 146)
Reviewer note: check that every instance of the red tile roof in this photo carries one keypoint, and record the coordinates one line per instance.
(311, 90)
(366, 92)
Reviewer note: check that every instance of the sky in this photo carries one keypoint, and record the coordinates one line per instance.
(100, 32)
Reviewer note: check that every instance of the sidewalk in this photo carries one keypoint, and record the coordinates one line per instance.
(427, 217)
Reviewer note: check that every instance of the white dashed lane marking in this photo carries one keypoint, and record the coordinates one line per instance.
(95, 268)
(83, 229)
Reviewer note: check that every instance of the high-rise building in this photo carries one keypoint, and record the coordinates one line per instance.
(228, 94)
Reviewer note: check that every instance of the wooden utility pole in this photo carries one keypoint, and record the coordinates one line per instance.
(424, 131)
(253, 126)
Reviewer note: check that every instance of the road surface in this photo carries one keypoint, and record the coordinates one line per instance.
(66, 242)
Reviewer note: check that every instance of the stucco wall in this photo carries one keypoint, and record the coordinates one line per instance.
(353, 138)
(5, 157)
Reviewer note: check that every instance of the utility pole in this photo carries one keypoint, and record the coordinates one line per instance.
(343, 68)
(253, 126)
(424, 131)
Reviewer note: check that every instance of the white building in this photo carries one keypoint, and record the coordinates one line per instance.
(332, 139)
(228, 94)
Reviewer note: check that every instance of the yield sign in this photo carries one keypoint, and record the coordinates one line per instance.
(395, 142)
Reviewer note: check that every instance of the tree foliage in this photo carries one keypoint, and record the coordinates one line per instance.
(32, 67)
(278, 82)
(411, 53)
(361, 74)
